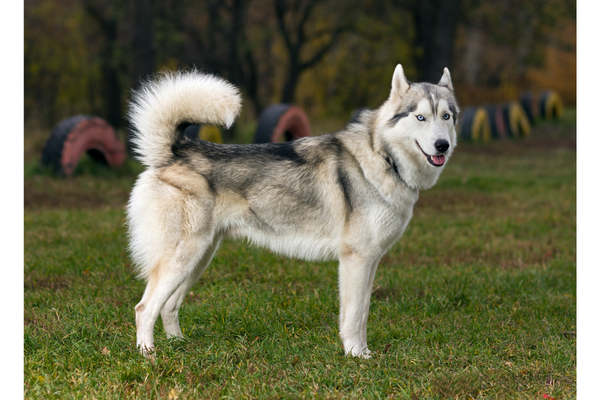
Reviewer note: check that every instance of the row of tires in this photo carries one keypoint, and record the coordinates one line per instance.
(73, 137)
(513, 119)
(278, 123)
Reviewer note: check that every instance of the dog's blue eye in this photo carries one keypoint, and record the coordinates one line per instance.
(446, 116)
(420, 117)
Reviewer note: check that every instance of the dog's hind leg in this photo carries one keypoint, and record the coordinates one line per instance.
(170, 311)
(354, 278)
(163, 282)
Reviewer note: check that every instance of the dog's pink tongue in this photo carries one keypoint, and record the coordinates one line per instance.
(439, 160)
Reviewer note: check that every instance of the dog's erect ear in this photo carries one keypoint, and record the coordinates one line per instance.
(399, 82)
(446, 80)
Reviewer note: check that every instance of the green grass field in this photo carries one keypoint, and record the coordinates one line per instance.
(477, 300)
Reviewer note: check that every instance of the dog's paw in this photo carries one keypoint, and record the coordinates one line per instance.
(147, 352)
(358, 351)
(366, 353)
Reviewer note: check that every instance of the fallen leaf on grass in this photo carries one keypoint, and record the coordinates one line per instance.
(548, 254)
(569, 335)
(105, 351)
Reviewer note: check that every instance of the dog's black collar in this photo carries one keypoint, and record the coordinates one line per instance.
(393, 165)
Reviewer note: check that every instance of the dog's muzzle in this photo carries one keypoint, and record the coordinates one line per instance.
(440, 145)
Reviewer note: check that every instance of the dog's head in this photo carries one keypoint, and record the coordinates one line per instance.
(416, 127)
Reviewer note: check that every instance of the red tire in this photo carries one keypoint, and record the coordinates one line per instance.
(74, 136)
(282, 122)
(496, 122)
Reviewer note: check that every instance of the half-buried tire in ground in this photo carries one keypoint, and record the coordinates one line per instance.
(282, 122)
(75, 136)
(475, 125)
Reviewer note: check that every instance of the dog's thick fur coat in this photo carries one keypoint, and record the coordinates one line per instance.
(348, 195)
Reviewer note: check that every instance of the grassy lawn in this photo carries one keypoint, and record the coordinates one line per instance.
(477, 300)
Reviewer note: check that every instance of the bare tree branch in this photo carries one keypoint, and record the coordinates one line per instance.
(321, 53)
(280, 13)
(300, 35)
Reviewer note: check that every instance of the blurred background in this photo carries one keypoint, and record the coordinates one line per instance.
(328, 57)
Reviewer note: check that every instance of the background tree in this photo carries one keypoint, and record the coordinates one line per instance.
(143, 43)
(293, 18)
(108, 15)
(435, 24)
(83, 56)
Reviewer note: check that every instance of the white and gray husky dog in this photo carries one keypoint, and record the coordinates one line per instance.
(347, 195)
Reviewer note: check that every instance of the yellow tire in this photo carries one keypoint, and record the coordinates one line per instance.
(475, 125)
(551, 105)
(516, 120)
(211, 134)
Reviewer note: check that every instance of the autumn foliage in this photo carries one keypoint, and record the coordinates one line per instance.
(328, 57)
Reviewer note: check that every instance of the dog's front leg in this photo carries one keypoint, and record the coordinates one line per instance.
(356, 278)
(367, 303)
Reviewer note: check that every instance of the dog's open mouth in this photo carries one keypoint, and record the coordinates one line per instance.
(436, 161)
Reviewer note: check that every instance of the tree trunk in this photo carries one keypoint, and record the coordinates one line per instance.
(250, 83)
(112, 96)
(110, 78)
(288, 93)
(435, 23)
(144, 50)
(109, 64)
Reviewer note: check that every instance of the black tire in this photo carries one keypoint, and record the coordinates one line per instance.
(192, 131)
(506, 115)
(52, 151)
(291, 120)
(268, 121)
(496, 122)
(550, 105)
(527, 101)
(467, 116)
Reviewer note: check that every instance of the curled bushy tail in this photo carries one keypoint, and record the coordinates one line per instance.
(171, 99)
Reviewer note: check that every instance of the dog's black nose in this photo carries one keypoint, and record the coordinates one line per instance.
(441, 145)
